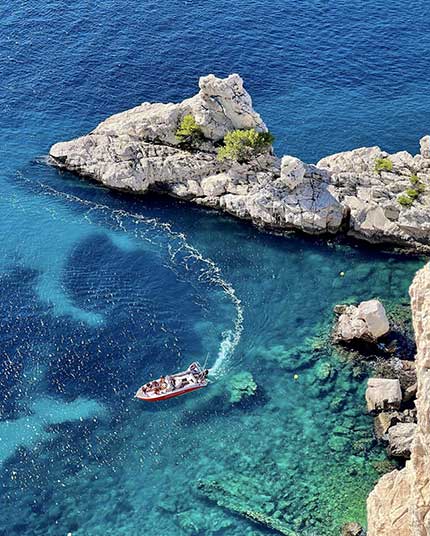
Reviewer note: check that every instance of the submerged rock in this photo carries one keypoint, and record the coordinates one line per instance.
(367, 322)
(241, 385)
(138, 150)
(383, 394)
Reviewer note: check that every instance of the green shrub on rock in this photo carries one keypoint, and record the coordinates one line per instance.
(383, 164)
(405, 200)
(412, 193)
(243, 145)
(417, 184)
(189, 133)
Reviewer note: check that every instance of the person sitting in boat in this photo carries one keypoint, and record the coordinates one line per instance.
(171, 382)
(194, 369)
(162, 383)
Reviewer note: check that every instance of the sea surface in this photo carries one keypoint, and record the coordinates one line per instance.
(101, 292)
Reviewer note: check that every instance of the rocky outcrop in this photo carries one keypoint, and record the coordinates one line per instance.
(383, 394)
(137, 150)
(400, 502)
(367, 322)
(371, 184)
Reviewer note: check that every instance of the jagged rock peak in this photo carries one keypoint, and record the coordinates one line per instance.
(223, 105)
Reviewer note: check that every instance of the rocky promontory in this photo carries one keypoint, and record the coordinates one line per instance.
(365, 193)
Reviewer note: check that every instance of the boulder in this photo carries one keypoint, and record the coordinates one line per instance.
(383, 421)
(425, 147)
(373, 313)
(367, 322)
(293, 171)
(352, 529)
(383, 394)
(400, 439)
(410, 392)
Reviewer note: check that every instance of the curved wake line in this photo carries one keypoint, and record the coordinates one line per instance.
(179, 251)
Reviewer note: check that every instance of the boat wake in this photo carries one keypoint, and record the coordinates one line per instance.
(180, 254)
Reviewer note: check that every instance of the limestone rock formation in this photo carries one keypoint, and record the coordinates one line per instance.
(366, 322)
(382, 394)
(400, 502)
(137, 150)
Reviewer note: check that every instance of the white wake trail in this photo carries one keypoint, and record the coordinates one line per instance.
(179, 251)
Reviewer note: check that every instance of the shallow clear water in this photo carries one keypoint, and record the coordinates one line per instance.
(101, 291)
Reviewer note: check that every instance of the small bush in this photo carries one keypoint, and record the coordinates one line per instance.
(383, 164)
(405, 200)
(189, 133)
(417, 183)
(243, 145)
(412, 193)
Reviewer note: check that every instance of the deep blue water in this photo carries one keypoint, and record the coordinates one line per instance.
(101, 291)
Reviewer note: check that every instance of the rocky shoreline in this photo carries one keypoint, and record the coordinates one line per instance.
(398, 400)
(365, 194)
(400, 502)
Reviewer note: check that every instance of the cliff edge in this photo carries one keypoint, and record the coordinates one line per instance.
(400, 502)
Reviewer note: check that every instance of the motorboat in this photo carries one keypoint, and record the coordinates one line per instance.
(195, 377)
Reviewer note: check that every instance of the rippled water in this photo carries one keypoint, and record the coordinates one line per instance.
(101, 291)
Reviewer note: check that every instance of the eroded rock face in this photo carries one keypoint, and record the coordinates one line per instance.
(400, 502)
(137, 150)
(367, 322)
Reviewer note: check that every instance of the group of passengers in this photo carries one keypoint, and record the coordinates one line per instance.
(170, 383)
(157, 386)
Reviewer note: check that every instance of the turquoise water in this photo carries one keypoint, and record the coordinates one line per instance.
(101, 291)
